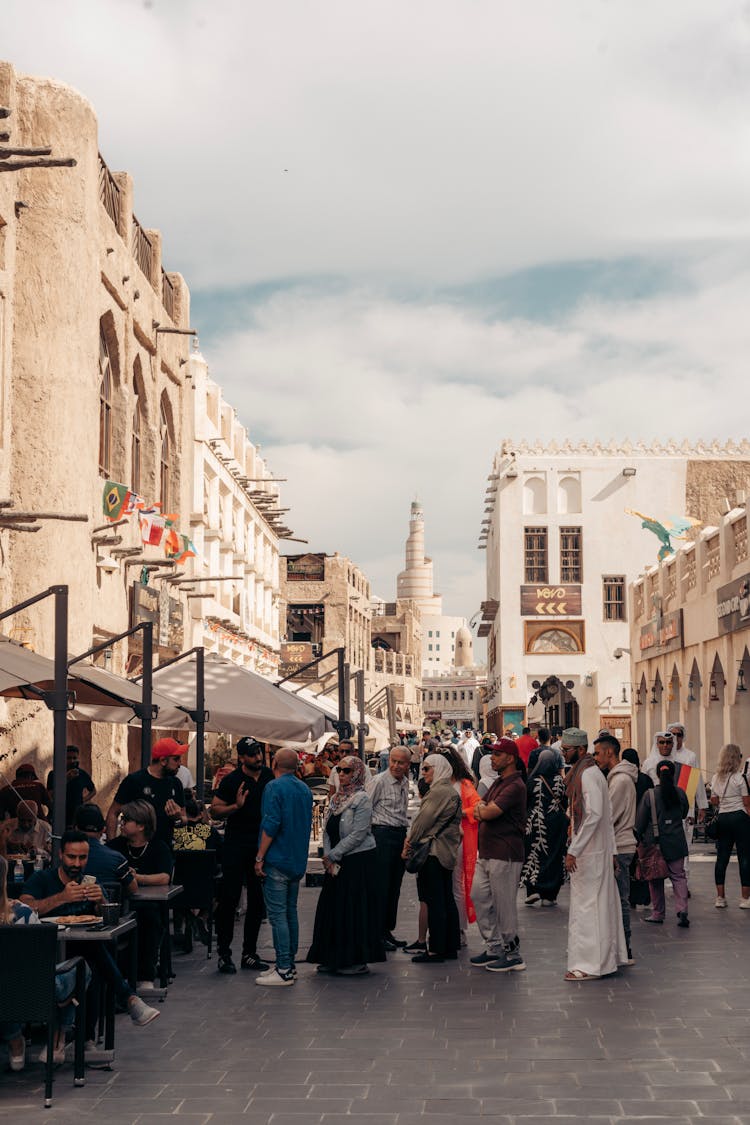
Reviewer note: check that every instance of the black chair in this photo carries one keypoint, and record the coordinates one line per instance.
(196, 873)
(28, 962)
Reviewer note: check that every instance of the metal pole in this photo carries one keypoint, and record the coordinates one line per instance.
(347, 692)
(359, 688)
(342, 685)
(60, 717)
(200, 720)
(147, 692)
(390, 697)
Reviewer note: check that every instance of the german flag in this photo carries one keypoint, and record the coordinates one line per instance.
(686, 778)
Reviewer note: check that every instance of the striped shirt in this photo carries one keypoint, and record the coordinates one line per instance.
(390, 800)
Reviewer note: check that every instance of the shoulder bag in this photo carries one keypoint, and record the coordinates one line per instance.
(420, 852)
(712, 828)
(650, 863)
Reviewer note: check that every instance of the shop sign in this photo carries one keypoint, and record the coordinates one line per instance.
(733, 605)
(550, 601)
(433, 716)
(293, 656)
(663, 634)
(165, 613)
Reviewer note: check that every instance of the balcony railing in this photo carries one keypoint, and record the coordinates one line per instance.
(713, 558)
(143, 251)
(739, 528)
(167, 295)
(109, 193)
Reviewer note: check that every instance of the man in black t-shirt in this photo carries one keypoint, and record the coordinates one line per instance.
(238, 798)
(159, 785)
(79, 788)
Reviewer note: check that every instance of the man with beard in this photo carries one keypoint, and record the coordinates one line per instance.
(596, 939)
(238, 798)
(62, 892)
(159, 785)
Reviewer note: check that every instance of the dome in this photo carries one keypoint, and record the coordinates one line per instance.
(464, 653)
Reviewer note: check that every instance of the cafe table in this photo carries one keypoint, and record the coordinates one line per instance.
(167, 895)
(113, 935)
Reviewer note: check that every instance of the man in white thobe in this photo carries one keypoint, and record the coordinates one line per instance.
(596, 939)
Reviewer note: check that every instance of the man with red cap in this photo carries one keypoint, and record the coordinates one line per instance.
(494, 891)
(159, 785)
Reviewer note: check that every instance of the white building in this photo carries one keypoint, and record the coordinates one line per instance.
(455, 698)
(416, 583)
(235, 528)
(561, 550)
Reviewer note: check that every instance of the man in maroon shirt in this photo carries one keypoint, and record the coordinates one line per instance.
(526, 743)
(494, 891)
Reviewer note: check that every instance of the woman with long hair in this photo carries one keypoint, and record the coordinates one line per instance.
(668, 806)
(466, 860)
(439, 821)
(546, 832)
(346, 931)
(730, 794)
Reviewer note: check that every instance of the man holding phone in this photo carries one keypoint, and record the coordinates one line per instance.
(238, 798)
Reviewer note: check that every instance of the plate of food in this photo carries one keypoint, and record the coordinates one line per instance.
(72, 919)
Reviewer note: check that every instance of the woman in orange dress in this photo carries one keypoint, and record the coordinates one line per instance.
(463, 872)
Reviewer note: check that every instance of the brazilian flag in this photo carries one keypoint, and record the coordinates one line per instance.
(114, 499)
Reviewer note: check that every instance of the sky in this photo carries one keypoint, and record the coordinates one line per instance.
(412, 228)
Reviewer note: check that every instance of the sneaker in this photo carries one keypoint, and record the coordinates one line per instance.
(252, 961)
(548, 902)
(416, 947)
(140, 1012)
(326, 970)
(398, 942)
(510, 962)
(17, 1062)
(388, 945)
(279, 978)
(650, 918)
(744, 904)
(144, 986)
(97, 1057)
(532, 899)
(682, 919)
(484, 958)
(630, 959)
(354, 971)
(226, 964)
(721, 902)
(58, 1055)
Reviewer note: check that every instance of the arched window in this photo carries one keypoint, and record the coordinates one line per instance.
(164, 456)
(555, 640)
(136, 437)
(569, 495)
(535, 496)
(105, 406)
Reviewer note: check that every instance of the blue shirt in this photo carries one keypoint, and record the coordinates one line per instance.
(107, 865)
(286, 815)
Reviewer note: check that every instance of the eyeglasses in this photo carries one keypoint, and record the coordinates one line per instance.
(345, 769)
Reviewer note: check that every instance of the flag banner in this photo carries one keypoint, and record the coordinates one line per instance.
(686, 778)
(114, 500)
(172, 543)
(152, 528)
(187, 551)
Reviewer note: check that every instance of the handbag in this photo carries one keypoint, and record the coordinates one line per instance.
(420, 852)
(651, 864)
(712, 828)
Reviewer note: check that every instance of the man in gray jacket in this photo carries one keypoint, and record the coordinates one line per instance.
(621, 779)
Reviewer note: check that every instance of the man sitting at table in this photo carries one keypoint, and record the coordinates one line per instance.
(150, 860)
(107, 867)
(25, 834)
(26, 786)
(60, 892)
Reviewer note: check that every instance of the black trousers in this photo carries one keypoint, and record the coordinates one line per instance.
(435, 888)
(734, 831)
(389, 873)
(151, 925)
(238, 867)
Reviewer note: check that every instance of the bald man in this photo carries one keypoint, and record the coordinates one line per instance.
(286, 821)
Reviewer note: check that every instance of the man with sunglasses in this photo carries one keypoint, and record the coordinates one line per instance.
(238, 799)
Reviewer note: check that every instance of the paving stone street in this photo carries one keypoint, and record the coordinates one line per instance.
(666, 1040)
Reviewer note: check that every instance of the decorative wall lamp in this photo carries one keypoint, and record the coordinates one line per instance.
(691, 694)
(654, 700)
(713, 695)
(741, 679)
(638, 700)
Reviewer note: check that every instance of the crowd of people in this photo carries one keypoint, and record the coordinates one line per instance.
(499, 822)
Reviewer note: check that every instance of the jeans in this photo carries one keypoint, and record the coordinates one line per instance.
(624, 860)
(494, 893)
(64, 986)
(676, 868)
(734, 829)
(280, 892)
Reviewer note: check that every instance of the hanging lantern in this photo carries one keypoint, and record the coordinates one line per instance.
(741, 679)
(714, 695)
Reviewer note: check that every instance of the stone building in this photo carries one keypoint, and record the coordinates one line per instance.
(456, 698)
(690, 639)
(416, 583)
(92, 388)
(236, 521)
(325, 605)
(396, 631)
(561, 550)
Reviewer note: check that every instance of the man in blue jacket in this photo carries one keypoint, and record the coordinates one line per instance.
(283, 848)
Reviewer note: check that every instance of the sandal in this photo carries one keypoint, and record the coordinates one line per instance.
(578, 974)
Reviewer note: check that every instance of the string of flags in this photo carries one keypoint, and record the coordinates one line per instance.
(157, 528)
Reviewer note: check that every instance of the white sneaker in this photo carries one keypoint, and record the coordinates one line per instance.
(141, 1013)
(721, 902)
(17, 1062)
(97, 1057)
(58, 1055)
(548, 902)
(144, 986)
(276, 979)
(744, 904)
